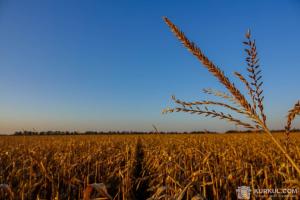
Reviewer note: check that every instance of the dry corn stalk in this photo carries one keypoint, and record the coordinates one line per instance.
(5, 190)
(100, 188)
(254, 111)
(291, 116)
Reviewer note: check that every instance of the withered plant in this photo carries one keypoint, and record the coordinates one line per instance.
(291, 116)
(235, 100)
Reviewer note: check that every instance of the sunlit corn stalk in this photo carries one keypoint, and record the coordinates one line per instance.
(257, 119)
(291, 116)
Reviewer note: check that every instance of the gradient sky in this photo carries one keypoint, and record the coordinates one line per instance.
(112, 65)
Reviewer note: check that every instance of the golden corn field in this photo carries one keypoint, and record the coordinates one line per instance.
(82, 82)
(207, 166)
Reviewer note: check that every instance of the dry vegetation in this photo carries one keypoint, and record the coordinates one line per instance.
(250, 106)
(140, 167)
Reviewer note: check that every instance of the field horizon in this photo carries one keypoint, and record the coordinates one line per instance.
(126, 132)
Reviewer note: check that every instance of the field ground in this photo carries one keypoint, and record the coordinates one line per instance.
(143, 166)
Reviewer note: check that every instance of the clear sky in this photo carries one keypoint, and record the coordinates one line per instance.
(112, 65)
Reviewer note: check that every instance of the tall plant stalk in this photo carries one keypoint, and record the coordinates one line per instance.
(238, 102)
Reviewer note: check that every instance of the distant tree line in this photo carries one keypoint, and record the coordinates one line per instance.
(273, 131)
(130, 132)
(47, 133)
(105, 132)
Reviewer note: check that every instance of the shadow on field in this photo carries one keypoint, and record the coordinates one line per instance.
(140, 187)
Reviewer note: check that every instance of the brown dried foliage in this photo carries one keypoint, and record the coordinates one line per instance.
(253, 111)
(291, 116)
(166, 167)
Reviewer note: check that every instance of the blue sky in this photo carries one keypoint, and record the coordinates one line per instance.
(112, 65)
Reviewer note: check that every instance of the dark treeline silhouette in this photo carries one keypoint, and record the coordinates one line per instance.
(131, 132)
(273, 131)
(105, 132)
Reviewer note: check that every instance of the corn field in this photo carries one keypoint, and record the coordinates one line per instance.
(207, 166)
